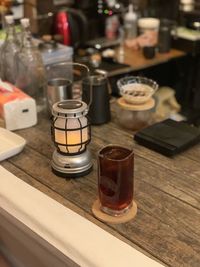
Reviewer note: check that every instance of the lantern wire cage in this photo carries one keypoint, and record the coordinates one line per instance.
(66, 130)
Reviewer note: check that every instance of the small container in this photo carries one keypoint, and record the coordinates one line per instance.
(135, 117)
(95, 91)
(164, 37)
(58, 89)
(149, 52)
(148, 24)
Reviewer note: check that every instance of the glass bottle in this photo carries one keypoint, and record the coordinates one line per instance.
(8, 51)
(130, 23)
(31, 76)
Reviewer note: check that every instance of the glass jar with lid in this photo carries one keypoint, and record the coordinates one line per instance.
(137, 103)
(135, 117)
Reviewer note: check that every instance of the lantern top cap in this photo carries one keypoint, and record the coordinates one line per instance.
(70, 108)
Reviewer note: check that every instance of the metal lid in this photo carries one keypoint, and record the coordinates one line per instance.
(70, 109)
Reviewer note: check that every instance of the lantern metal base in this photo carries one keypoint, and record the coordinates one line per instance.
(71, 166)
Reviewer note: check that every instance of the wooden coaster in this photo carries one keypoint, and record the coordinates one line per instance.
(129, 215)
(146, 106)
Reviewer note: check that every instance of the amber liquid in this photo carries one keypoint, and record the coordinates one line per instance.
(116, 178)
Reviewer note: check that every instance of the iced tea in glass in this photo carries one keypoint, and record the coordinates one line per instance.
(115, 179)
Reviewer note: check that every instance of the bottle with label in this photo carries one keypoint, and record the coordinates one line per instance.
(31, 76)
(8, 51)
(130, 23)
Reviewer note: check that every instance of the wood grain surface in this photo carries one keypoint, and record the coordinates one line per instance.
(136, 61)
(3, 262)
(167, 191)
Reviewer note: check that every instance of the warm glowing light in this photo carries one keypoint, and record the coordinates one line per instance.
(72, 135)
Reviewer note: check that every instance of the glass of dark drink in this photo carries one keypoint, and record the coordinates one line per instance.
(115, 179)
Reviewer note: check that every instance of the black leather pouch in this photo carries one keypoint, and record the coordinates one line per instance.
(168, 137)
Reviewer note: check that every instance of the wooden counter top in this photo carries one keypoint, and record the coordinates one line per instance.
(167, 191)
(136, 60)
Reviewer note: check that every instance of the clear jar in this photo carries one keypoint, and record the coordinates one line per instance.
(31, 75)
(130, 23)
(135, 117)
(8, 51)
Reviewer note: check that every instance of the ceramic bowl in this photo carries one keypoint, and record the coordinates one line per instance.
(136, 90)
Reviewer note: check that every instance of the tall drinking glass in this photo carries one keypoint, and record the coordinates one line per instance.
(115, 179)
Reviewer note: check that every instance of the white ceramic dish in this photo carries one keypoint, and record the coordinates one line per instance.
(10, 144)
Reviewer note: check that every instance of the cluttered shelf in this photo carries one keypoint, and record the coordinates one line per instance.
(166, 226)
(137, 60)
(133, 60)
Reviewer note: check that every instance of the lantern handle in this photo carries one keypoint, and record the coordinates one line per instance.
(88, 75)
(91, 84)
(64, 63)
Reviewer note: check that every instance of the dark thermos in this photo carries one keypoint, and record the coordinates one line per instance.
(95, 93)
(164, 36)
